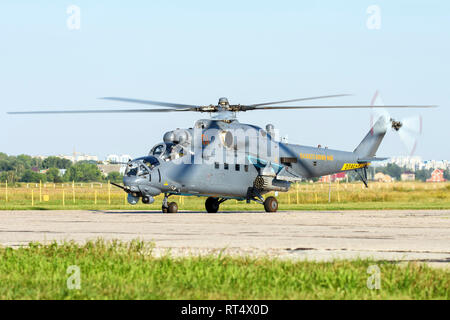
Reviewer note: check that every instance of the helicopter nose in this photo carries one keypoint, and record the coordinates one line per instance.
(140, 186)
(131, 183)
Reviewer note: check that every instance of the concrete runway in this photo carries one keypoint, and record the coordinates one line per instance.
(419, 235)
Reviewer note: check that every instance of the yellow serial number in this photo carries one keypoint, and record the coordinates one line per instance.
(352, 166)
(313, 156)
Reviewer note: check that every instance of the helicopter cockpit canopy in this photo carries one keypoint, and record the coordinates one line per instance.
(167, 151)
(141, 166)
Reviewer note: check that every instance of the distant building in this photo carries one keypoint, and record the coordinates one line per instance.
(437, 176)
(324, 179)
(71, 158)
(78, 157)
(416, 163)
(40, 157)
(408, 176)
(381, 177)
(333, 177)
(86, 157)
(114, 158)
(105, 169)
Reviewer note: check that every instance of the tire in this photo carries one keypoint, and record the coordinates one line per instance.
(145, 199)
(212, 205)
(173, 207)
(164, 209)
(271, 204)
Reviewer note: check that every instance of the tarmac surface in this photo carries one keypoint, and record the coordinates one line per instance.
(397, 235)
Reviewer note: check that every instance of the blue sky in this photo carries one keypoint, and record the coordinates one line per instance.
(195, 52)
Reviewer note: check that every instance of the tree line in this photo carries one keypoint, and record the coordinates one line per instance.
(24, 168)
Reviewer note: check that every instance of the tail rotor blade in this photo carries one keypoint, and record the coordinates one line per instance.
(411, 127)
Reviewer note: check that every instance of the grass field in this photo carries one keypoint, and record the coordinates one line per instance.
(115, 270)
(304, 196)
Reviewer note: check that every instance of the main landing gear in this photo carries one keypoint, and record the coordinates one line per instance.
(271, 204)
(212, 204)
(169, 207)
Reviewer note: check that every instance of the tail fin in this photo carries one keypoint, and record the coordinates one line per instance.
(369, 145)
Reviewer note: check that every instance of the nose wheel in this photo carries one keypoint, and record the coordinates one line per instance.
(169, 207)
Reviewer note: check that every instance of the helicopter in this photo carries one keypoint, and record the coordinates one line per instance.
(221, 159)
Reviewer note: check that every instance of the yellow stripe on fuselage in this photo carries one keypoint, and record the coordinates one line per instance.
(353, 166)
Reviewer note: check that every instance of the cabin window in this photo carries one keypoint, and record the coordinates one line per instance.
(216, 165)
(246, 168)
(225, 166)
(238, 167)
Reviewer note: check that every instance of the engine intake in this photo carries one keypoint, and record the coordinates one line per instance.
(267, 183)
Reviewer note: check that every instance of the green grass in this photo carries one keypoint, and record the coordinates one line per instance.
(116, 270)
(305, 196)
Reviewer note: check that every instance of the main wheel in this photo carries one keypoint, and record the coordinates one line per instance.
(164, 209)
(173, 207)
(212, 205)
(271, 204)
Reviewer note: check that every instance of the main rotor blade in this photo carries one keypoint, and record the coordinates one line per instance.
(150, 102)
(99, 111)
(334, 107)
(300, 99)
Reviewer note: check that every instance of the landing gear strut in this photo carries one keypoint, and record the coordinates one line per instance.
(270, 204)
(169, 207)
(212, 204)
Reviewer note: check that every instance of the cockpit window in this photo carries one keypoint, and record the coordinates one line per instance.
(143, 170)
(158, 150)
(149, 161)
(174, 152)
(168, 151)
(131, 172)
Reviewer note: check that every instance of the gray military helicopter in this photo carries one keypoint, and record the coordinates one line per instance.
(221, 158)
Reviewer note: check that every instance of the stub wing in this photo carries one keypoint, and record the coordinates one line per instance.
(287, 175)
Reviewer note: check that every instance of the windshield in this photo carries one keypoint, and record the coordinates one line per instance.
(149, 161)
(141, 166)
(131, 171)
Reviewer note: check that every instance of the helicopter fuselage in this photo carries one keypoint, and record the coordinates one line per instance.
(229, 160)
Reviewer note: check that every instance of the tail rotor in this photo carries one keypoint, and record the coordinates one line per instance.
(409, 129)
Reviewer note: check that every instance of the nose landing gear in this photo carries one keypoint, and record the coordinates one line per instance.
(169, 207)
